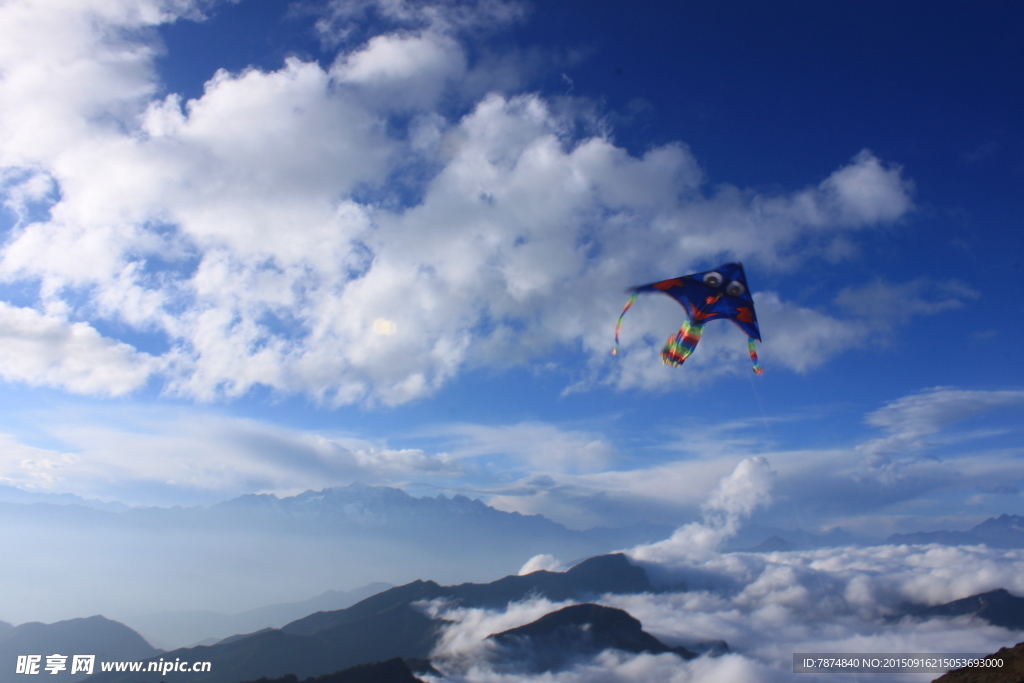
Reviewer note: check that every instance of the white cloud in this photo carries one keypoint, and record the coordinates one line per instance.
(613, 497)
(766, 606)
(465, 654)
(801, 338)
(866, 192)
(874, 486)
(542, 446)
(730, 503)
(911, 419)
(259, 231)
(542, 563)
(403, 71)
(43, 350)
(339, 17)
(885, 304)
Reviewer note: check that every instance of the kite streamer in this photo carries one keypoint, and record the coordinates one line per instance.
(618, 325)
(678, 348)
(753, 356)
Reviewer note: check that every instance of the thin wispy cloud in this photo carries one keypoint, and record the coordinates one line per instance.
(580, 474)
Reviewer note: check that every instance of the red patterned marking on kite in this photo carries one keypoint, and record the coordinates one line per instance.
(744, 314)
(668, 284)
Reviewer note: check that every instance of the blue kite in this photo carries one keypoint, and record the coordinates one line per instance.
(719, 294)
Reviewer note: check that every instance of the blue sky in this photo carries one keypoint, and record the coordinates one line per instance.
(281, 245)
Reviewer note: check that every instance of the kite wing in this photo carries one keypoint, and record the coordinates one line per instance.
(716, 294)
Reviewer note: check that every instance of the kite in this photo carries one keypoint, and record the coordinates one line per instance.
(719, 294)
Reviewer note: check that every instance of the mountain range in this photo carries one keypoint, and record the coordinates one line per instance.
(338, 646)
(171, 629)
(387, 625)
(998, 607)
(1005, 531)
(238, 555)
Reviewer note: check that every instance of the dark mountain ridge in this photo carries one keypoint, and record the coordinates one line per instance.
(557, 640)
(1011, 671)
(108, 640)
(592, 577)
(998, 607)
(387, 625)
(392, 671)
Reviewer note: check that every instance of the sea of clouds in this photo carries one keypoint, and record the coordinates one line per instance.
(766, 606)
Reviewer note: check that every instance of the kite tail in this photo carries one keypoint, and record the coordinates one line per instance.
(753, 356)
(618, 325)
(678, 348)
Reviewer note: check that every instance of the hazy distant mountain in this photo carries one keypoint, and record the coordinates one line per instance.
(392, 671)
(106, 639)
(4, 628)
(758, 538)
(386, 625)
(561, 638)
(772, 544)
(11, 494)
(276, 550)
(170, 630)
(1005, 531)
(1012, 670)
(389, 511)
(998, 607)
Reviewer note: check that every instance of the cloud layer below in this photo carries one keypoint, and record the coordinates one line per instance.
(766, 606)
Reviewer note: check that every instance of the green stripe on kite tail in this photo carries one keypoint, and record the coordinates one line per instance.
(678, 348)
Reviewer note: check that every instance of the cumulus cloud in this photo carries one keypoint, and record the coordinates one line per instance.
(45, 350)
(732, 500)
(399, 71)
(260, 230)
(867, 192)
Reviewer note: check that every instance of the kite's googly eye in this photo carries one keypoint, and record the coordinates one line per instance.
(735, 288)
(713, 279)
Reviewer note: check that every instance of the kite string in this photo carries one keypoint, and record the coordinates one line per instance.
(792, 498)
